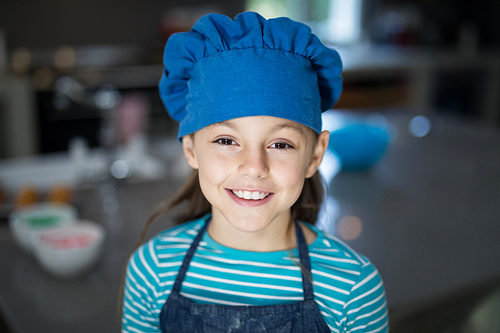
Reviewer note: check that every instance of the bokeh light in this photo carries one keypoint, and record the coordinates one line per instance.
(349, 227)
(64, 58)
(121, 169)
(419, 126)
(21, 60)
(63, 85)
(107, 99)
(43, 77)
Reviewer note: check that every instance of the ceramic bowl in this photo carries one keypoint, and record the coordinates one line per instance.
(358, 146)
(69, 251)
(25, 222)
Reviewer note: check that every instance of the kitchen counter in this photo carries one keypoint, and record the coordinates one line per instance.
(429, 212)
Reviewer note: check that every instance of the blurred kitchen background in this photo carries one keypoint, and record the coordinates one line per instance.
(413, 175)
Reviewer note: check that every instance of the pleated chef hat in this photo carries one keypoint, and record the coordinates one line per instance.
(224, 69)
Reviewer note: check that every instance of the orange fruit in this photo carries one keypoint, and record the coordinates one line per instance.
(27, 195)
(60, 193)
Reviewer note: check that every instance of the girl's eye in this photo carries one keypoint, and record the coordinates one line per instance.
(225, 141)
(281, 145)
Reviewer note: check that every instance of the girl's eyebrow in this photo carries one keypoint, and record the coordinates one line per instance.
(225, 123)
(291, 126)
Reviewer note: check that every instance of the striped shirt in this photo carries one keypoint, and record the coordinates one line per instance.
(348, 289)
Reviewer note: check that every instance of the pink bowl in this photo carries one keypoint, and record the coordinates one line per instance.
(69, 251)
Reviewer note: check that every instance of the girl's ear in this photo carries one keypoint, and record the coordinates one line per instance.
(189, 153)
(318, 152)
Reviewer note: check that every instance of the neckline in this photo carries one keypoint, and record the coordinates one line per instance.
(258, 254)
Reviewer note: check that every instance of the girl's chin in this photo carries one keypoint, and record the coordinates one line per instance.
(248, 221)
(248, 226)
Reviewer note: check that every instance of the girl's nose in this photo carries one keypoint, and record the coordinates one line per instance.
(254, 163)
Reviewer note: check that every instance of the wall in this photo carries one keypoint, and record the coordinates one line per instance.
(51, 23)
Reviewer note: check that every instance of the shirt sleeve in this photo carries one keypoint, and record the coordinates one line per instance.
(366, 308)
(139, 308)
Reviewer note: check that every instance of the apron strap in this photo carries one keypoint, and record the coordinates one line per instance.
(305, 263)
(187, 259)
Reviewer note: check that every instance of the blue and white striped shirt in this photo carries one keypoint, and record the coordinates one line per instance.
(347, 287)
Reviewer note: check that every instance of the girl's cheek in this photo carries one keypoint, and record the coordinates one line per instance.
(214, 163)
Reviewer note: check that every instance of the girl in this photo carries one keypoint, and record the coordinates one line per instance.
(248, 95)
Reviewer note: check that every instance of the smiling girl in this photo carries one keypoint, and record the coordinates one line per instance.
(248, 95)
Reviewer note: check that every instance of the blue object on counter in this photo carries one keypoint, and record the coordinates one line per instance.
(358, 146)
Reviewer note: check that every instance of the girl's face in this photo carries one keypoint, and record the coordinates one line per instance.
(252, 169)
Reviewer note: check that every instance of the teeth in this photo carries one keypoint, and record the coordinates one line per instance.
(250, 195)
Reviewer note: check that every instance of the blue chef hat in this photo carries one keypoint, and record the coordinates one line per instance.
(224, 69)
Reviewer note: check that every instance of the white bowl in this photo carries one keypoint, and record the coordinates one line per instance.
(69, 251)
(25, 222)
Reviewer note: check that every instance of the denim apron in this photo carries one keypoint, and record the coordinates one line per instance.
(180, 314)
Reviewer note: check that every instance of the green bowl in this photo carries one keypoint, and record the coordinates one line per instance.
(26, 221)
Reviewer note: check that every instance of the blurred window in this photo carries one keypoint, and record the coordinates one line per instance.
(334, 21)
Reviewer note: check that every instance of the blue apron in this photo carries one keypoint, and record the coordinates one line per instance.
(180, 314)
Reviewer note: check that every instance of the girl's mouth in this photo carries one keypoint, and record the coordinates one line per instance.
(250, 195)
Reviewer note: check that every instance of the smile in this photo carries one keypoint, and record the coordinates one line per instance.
(250, 195)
